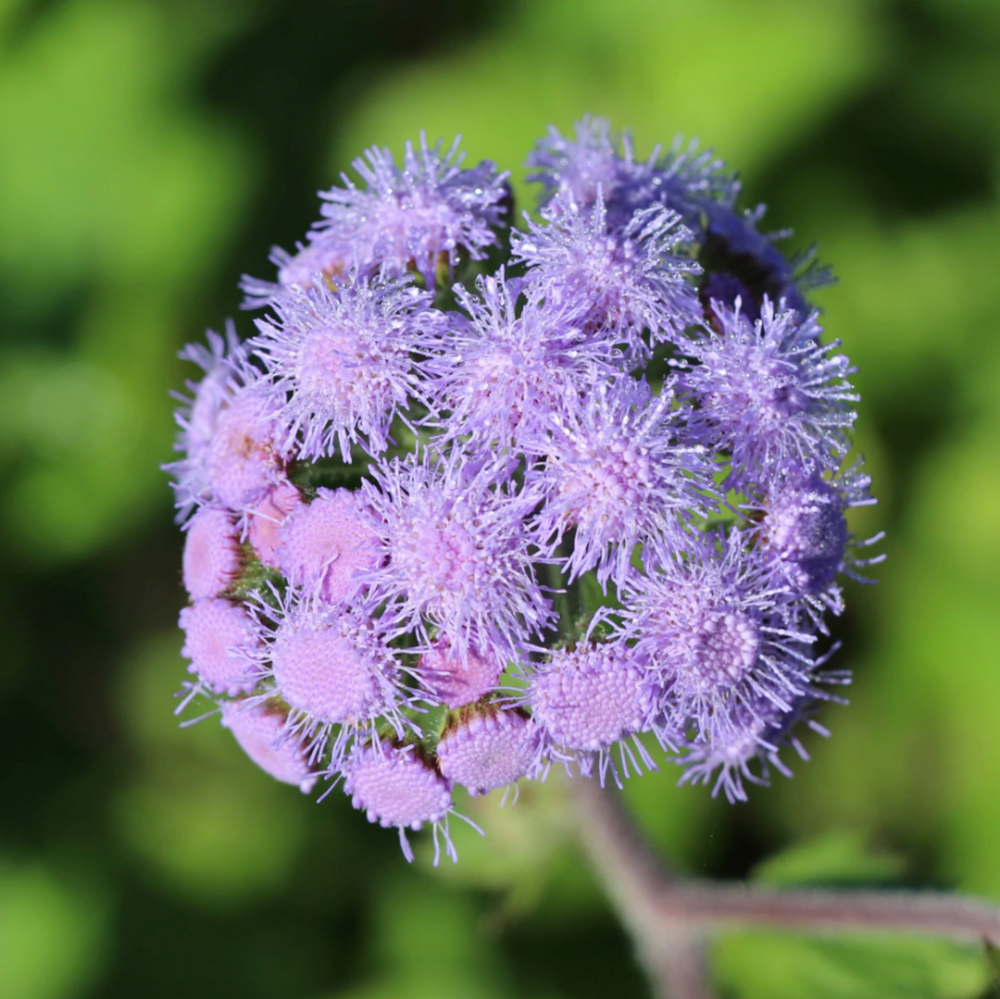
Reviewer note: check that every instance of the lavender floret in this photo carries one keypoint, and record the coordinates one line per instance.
(768, 393)
(339, 362)
(622, 282)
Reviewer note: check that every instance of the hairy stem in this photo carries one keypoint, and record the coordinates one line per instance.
(670, 917)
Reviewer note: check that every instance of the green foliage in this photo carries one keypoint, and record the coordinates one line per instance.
(869, 966)
(53, 933)
(839, 857)
(203, 824)
(114, 193)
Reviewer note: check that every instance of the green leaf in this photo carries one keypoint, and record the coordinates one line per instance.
(873, 966)
(841, 857)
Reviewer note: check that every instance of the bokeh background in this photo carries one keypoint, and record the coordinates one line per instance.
(151, 151)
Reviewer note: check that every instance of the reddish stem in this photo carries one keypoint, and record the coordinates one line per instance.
(670, 917)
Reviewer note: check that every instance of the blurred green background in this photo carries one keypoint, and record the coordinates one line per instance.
(151, 151)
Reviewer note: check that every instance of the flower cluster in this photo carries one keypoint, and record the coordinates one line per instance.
(475, 501)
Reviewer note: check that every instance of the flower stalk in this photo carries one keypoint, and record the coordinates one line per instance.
(670, 917)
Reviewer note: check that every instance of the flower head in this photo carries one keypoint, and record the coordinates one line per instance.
(412, 215)
(202, 421)
(754, 734)
(333, 668)
(259, 731)
(576, 170)
(326, 544)
(395, 786)
(454, 554)
(622, 282)
(769, 393)
(499, 374)
(714, 631)
(339, 362)
(211, 553)
(614, 468)
(456, 680)
(486, 749)
(587, 698)
(733, 246)
(264, 521)
(684, 180)
(804, 536)
(216, 633)
(424, 479)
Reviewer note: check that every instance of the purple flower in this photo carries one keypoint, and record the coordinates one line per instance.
(683, 180)
(211, 553)
(693, 183)
(333, 668)
(499, 374)
(804, 537)
(734, 246)
(713, 631)
(754, 734)
(577, 170)
(216, 632)
(622, 282)
(419, 215)
(326, 544)
(339, 362)
(454, 554)
(244, 460)
(264, 521)
(805, 532)
(258, 730)
(769, 393)
(615, 469)
(455, 680)
(206, 430)
(635, 400)
(318, 263)
(487, 748)
(587, 698)
(395, 786)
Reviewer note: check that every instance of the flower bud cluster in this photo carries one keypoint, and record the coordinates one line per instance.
(476, 500)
